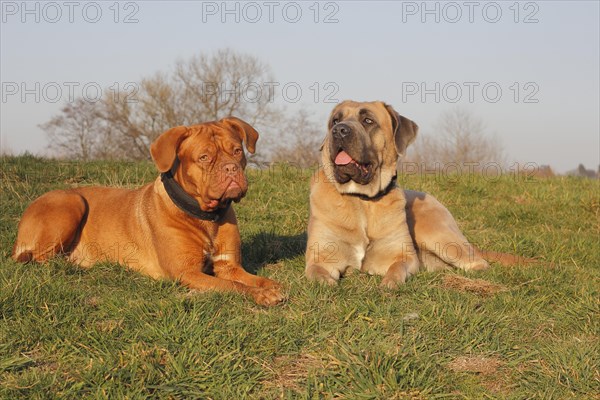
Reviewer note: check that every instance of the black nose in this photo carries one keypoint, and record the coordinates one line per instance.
(340, 131)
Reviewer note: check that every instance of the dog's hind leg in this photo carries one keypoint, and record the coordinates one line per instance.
(49, 226)
(436, 233)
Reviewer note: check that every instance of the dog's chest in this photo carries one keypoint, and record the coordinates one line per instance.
(384, 217)
(384, 233)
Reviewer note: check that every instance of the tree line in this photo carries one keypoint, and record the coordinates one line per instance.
(122, 125)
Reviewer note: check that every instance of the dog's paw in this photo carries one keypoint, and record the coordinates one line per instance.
(267, 283)
(327, 280)
(267, 297)
(478, 265)
(319, 274)
(395, 276)
(391, 283)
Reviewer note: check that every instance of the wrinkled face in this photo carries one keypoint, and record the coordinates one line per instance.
(212, 159)
(363, 144)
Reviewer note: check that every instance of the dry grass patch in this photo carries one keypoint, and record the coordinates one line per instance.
(475, 364)
(492, 375)
(109, 325)
(290, 373)
(477, 286)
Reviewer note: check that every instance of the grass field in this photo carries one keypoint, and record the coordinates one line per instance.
(516, 333)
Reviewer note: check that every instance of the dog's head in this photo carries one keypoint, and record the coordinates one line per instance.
(363, 144)
(211, 157)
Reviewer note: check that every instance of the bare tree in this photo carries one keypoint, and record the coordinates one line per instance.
(227, 83)
(299, 141)
(460, 139)
(204, 88)
(135, 121)
(75, 132)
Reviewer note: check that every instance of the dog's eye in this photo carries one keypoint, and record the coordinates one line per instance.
(334, 121)
(204, 158)
(368, 121)
(237, 151)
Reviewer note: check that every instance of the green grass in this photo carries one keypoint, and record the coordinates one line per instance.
(110, 333)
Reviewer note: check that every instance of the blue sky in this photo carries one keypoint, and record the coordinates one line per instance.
(546, 52)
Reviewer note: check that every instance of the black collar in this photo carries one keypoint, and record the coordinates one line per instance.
(184, 201)
(379, 194)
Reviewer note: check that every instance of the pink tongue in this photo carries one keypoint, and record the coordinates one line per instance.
(343, 158)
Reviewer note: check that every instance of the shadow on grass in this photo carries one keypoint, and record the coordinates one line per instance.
(262, 249)
(267, 248)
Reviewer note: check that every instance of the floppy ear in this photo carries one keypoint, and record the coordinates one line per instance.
(248, 134)
(164, 148)
(405, 130)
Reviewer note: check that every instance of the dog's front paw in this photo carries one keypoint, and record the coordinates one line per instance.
(395, 276)
(390, 283)
(267, 283)
(267, 296)
(319, 274)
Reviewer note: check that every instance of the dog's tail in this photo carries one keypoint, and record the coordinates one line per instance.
(505, 259)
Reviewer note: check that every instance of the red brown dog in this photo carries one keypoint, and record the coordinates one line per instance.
(181, 226)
